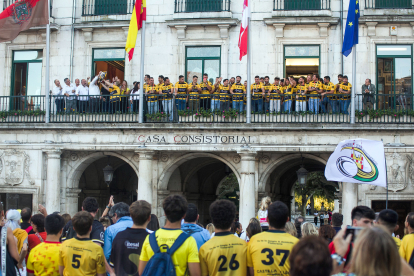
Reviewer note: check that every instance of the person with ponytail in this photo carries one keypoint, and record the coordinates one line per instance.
(262, 213)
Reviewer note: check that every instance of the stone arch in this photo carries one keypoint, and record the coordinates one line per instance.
(80, 165)
(175, 163)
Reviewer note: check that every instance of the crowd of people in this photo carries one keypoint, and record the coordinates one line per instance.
(282, 95)
(127, 240)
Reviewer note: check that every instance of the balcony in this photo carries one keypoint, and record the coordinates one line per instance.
(385, 109)
(107, 7)
(387, 4)
(191, 6)
(302, 5)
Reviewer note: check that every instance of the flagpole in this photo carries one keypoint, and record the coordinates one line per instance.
(141, 88)
(47, 88)
(249, 95)
(354, 83)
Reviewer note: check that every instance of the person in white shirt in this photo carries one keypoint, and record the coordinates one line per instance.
(57, 93)
(69, 91)
(134, 98)
(94, 95)
(83, 93)
(262, 213)
(308, 209)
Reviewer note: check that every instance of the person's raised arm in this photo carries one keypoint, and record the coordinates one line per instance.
(110, 204)
(341, 247)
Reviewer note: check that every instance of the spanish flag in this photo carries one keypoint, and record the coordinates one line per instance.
(135, 24)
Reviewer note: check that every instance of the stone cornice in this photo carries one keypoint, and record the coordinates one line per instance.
(310, 20)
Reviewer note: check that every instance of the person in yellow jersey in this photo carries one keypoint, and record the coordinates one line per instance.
(268, 252)
(257, 95)
(336, 108)
(224, 254)
(146, 81)
(266, 88)
(180, 93)
(389, 219)
(345, 89)
(207, 88)
(302, 89)
(166, 89)
(224, 95)
(314, 89)
(327, 95)
(81, 256)
(407, 244)
(194, 91)
(237, 91)
(275, 96)
(185, 258)
(152, 95)
(215, 101)
(115, 93)
(44, 258)
(289, 94)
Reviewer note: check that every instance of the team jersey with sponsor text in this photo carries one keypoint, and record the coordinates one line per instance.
(256, 90)
(204, 89)
(267, 87)
(152, 92)
(238, 90)
(301, 89)
(225, 95)
(194, 94)
(181, 90)
(276, 92)
(223, 255)
(268, 253)
(346, 87)
(166, 91)
(329, 87)
(317, 85)
(289, 92)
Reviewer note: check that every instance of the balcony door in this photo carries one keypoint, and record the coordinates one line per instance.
(387, 4)
(302, 4)
(203, 5)
(108, 7)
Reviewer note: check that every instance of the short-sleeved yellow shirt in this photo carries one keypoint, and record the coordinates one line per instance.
(44, 259)
(345, 87)
(329, 87)
(238, 90)
(301, 89)
(317, 85)
(276, 92)
(256, 90)
(407, 247)
(289, 92)
(186, 253)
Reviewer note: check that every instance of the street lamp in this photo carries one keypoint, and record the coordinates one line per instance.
(302, 175)
(108, 174)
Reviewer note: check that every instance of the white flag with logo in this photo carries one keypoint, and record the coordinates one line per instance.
(358, 161)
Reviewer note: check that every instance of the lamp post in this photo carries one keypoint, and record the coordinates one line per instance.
(108, 174)
(302, 174)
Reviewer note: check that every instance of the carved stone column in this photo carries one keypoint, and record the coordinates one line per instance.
(247, 187)
(52, 189)
(349, 200)
(162, 194)
(145, 175)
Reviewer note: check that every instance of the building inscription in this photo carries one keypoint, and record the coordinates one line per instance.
(195, 139)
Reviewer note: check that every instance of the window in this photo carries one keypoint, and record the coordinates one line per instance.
(394, 76)
(16, 201)
(111, 61)
(200, 60)
(107, 7)
(294, 5)
(301, 60)
(387, 4)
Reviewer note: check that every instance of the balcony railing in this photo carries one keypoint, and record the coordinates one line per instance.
(107, 7)
(388, 4)
(202, 5)
(7, 3)
(294, 5)
(378, 109)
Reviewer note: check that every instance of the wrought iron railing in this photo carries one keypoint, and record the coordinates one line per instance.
(7, 3)
(387, 4)
(295, 5)
(107, 7)
(201, 108)
(202, 5)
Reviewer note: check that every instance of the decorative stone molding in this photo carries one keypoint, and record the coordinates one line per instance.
(74, 157)
(135, 157)
(87, 33)
(224, 30)
(279, 29)
(126, 29)
(181, 31)
(412, 26)
(164, 157)
(323, 29)
(265, 159)
(16, 166)
(397, 168)
(371, 28)
(236, 158)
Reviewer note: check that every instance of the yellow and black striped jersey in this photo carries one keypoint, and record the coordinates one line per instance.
(346, 87)
(256, 90)
(289, 92)
(267, 87)
(152, 92)
(194, 94)
(81, 257)
(166, 91)
(276, 92)
(238, 90)
(204, 89)
(181, 89)
(314, 84)
(223, 255)
(329, 87)
(268, 253)
(301, 89)
(224, 93)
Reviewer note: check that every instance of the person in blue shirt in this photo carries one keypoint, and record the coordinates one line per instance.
(190, 226)
(119, 214)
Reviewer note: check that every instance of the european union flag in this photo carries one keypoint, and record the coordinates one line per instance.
(351, 30)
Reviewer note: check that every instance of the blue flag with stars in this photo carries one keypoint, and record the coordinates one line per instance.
(351, 30)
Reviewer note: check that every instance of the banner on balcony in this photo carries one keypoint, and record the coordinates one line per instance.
(358, 161)
(21, 16)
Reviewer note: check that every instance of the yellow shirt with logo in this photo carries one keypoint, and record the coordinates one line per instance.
(44, 259)
(224, 255)
(224, 93)
(301, 89)
(290, 92)
(268, 253)
(267, 87)
(181, 90)
(116, 94)
(276, 92)
(186, 253)
(204, 89)
(166, 91)
(152, 92)
(238, 90)
(81, 257)
(256, 90)
(317, 85)
(330, 87)
(407, 247)
(194, 94)
(345, 87)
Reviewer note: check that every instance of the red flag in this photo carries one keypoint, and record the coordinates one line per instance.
(244, 29)
(21, 16)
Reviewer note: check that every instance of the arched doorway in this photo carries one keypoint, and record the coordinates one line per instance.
(202, 180)
(123, 186)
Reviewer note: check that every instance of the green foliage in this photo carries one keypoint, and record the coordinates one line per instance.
(374, 114)
(5, 114)
(229, 189)
(158, 117)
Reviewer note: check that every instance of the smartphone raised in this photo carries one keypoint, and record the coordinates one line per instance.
(354, 231)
